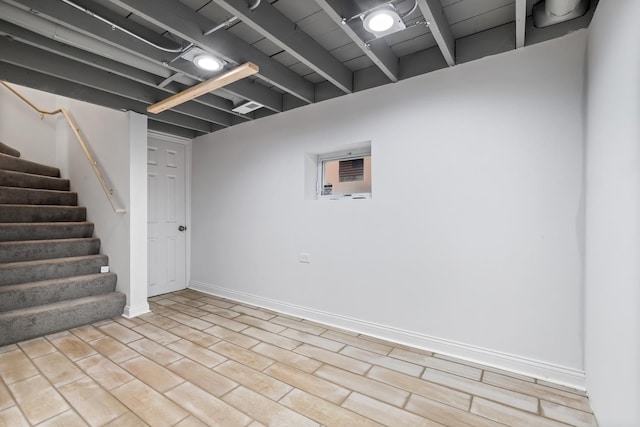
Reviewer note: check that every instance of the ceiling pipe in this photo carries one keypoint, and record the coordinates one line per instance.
(551, 12)
(225, 24)
(124, 30)
(62, 34)
(231, 20)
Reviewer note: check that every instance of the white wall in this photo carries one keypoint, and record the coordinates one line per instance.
(107, 135)
(470, 244)
(118, 141)
(20, 126)
(612, 214)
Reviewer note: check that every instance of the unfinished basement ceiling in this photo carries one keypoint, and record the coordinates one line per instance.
(125, 54)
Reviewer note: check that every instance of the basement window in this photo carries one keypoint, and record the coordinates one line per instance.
(345, 175)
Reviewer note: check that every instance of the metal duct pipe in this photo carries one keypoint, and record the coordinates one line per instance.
(550, 12)
(561, 7)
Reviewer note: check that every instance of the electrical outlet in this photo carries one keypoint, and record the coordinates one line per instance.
(304, 257)
(104, 269)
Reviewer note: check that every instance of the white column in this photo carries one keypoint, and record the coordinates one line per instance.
(137, 296)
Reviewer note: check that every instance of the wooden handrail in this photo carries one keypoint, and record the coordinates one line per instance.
(94, 165)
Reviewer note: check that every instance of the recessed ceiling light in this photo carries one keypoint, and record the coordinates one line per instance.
(383, 21)
(208, 62)
(380, 21)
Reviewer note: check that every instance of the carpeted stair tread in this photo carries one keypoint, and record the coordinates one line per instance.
(28, 180)
(13, 297)
(50, 264)
(33, 250)
(10, 151)
(12, 163)
(16, 231)
(30, 196)
(42, 213)
(12, 273)
(27, 323)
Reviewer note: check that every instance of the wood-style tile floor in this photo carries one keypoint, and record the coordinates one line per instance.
(200, 360)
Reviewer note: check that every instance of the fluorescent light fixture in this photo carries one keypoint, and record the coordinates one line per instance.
(208, 62)
(383, 21)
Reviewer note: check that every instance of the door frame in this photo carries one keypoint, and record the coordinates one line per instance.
(187, 143)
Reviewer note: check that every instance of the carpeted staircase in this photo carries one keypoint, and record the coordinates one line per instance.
(50, 276)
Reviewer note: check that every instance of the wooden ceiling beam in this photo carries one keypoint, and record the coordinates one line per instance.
(233, 75)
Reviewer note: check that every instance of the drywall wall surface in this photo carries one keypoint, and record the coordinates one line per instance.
(117, 141)
(612, 352)
(470, 242)
(137, 211)
(106, 133)
(22, 128)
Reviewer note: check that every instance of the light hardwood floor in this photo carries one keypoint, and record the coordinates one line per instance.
(201, 360)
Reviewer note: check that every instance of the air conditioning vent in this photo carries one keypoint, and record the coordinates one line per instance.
(247, 107)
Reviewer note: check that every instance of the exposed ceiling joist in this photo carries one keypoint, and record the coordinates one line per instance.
(129, 54)
(521, 22)
(432, 12)
(235, 74)
(270, 23)
(81, 23)
(187, 24)
(213, 108)
(33, 79)
(377, 50)
(171, 130)
(105, 64)
(48, 63)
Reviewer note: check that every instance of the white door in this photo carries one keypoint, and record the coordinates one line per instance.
(166, 171)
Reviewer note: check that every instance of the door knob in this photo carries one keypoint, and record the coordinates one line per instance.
(182, 228)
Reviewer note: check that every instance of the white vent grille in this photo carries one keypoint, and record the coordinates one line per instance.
(247, 107)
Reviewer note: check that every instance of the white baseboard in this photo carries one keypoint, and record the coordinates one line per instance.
(521, 365)
(136, 310)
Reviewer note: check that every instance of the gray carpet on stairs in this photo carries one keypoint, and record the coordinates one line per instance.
(32, 322)
(43, 213)
(13, 297)
(5, 149)
(34, 250)
(50, 263)
(30, 196)
(18, 231)
(28, 180)
(12, 163)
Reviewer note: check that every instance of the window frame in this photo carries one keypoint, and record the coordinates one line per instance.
(355, 153)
